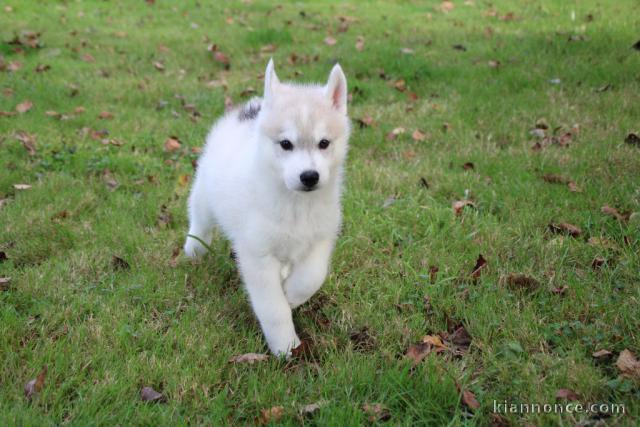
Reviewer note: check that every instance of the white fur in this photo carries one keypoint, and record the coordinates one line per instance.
(250, 187)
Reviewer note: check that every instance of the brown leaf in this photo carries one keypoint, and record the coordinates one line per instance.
(109, 180)
(460, 337)
(310, 409)
(87, 57)
(158, 66)
(602, 354)
(24, 106)
(628, 365)
(147, 394)
(7, 113)
(573, 187)
(270, 415)
(33, 387)
(469, 399)
(366, 121)
(360, 43)
(481, 264)
(394, 133)
(565, 228)
(597, 263)
(555, 179)
(632, 139)
(249, 358)
(560, 290)
(22, 186)
(417, 352)
(520, 281)
(446, 6)
(172, 144)
(164, 218)
(4, 283)
(417, 135)
(105, 115)
(3, 256)
(28, 141)
(400, 85)
(221, 58)
(376, 412)
(14, 66)
(330, 41)
(119, 264)
(608, 210)
(566, 394)
(458, 206)
(362, 340)
(468, 166)
(41, 68)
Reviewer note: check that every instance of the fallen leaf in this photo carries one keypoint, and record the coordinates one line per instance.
(628, 365)
(41, 68)
(400, 85)
(481, 264)
(24, 106)
(21, 186)
(303, 351)
(394, 133)
(469, 399)
(608, 210)
(268, 48)
(555, 179)
(459, 205)
(14, 66)
(33, 387)
(468, 166)
(87, 57)
(221, 58)
(566, 394)
(565, 228)
(119, 264)
(164, 217)
(360, 43)
(362, 340)
(28, 141)
(158, 66)
(4, 283)
(330, 41)
(249, 358)
(271, 415)
(597, 263)
(520, 281)
(460, 337)
(418, 135)
(632, 139)
(407, 51)
(3, 256)
(376, 412)
(459, 47)
(105, 115)
(366, 121)
(7, 113)
(446, 6)
(560, 290)
(636, 45)
(109, 180)
(493, 63)
(172, 144)
(310, 409)
(602, 354)
(147, 394)
(573, 187)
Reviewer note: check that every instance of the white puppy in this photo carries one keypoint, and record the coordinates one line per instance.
(270, 177)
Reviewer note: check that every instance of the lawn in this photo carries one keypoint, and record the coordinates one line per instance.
(487, 138)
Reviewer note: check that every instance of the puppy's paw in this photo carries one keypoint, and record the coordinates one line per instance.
(282, 346)
(193, 248)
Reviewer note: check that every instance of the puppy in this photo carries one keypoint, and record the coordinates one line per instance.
(270, 178)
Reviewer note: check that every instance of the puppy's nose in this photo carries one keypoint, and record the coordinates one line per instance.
(309, 178)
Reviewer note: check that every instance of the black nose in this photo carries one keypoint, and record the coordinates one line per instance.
(309, 178)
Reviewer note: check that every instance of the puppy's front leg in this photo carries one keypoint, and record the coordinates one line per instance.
(261, 275)
(308, 274)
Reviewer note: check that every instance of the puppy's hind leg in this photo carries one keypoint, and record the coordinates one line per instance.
(200, 225)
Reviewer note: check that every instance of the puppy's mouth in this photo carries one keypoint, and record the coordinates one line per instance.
(308, 189)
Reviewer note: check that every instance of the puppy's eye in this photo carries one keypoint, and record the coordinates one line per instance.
(286, 145)
(323, 144)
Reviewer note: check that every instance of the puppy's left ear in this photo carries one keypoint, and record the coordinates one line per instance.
(336, 89)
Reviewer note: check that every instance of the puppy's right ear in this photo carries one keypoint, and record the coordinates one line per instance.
(271, 81)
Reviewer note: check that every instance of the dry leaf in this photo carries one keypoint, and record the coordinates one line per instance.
(109, 180)
(4, 283)
(400, 85)
(376, 412)
(566, 394)
(602, 354)
(628, 365)
(310, 409)
(417, 135)
(459, 205)
(24, 106)
(520, 281)
(87, 57)
(481, 264)
(469, 399)
(394, 133)
(119, 264)
(147, 394)
(221, 58)
(28, 141)
(249, 358)
(34, 386)
(446, 6)
(158, 66)
(608, 210)
(172, 144)
(360, 43)
(632, 139)
(21, 186)
(271, 414)
(565, 228)
(105, 115)
(330, 41)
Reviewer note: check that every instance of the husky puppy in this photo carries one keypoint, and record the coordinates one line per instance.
(270, 177)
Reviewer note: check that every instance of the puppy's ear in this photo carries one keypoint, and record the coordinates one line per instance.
(271, 81)
(336, 89)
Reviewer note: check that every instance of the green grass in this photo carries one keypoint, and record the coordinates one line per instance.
(104, 333)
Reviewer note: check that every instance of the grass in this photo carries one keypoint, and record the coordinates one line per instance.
(105, 330)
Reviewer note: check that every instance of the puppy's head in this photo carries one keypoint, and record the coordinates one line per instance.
(305, 129)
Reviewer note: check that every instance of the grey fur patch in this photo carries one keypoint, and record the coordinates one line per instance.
(249, 111)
